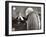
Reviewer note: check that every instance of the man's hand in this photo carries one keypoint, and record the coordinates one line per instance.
(21, 18)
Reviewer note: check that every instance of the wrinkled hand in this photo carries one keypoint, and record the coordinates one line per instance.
(20, 17)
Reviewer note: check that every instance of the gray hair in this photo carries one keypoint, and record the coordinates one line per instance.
(28, 10)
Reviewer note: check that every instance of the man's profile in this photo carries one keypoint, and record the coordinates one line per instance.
(33, 22)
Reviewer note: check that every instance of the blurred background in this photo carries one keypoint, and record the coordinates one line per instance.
(22, 9)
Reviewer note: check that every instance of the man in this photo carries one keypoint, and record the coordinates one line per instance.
(33, 21)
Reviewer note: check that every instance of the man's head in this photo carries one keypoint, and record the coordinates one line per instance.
(28, 10)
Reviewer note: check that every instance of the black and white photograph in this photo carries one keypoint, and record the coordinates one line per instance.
(25, 18)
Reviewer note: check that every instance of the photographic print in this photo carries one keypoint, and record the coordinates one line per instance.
(24, 18)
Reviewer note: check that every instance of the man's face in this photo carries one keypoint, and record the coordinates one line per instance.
(27, 13)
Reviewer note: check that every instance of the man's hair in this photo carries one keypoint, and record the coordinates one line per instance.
(28, 10)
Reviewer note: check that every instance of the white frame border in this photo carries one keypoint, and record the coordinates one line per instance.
(29, 31)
